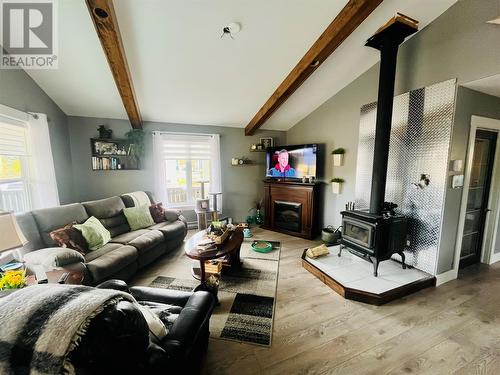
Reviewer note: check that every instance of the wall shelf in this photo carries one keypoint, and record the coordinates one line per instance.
(113, 155)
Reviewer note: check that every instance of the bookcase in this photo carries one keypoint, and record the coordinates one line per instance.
(113, 155)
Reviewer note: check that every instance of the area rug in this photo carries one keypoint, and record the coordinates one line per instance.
(247, 297)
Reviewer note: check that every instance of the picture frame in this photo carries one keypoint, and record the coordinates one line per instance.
(105, 148)
(266, 142)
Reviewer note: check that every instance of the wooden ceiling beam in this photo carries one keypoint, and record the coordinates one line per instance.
(349, 18)
(103, 15)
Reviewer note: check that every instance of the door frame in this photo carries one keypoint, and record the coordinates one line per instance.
(491, 224)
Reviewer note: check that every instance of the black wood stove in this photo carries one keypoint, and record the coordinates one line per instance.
(379, 233)
(374, 236)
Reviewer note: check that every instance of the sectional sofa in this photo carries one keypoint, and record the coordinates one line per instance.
(127, 251)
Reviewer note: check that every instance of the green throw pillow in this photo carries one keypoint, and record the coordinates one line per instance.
(94, 233)
(138, 217)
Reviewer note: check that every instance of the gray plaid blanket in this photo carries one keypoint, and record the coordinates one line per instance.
(41, 324)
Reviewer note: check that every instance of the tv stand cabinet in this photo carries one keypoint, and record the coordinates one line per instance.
(291, 207)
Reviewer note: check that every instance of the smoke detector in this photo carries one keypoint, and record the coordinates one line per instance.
(231, 29)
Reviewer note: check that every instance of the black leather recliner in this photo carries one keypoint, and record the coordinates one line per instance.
(118, 340)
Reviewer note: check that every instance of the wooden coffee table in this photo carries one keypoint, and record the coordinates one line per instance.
(74, 278)
(230, 250)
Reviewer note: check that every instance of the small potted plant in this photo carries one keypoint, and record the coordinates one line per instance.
(336, 184)
(257, 218)
(338, 157)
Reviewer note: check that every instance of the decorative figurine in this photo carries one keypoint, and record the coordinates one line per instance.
(104, 133)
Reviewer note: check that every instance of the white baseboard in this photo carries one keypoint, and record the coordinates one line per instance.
(495, 257)
(446, 276)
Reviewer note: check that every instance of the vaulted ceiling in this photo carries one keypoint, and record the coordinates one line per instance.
(183, 72)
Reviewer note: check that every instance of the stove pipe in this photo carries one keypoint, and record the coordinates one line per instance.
(387, 40)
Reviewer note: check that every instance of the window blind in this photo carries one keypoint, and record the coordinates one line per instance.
(12, 140)
(180, 146)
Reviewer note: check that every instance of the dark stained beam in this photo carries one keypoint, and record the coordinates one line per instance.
(103, 15)
(349, 18)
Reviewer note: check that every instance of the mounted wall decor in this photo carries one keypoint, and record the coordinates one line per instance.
(338, 157)
(266, 142)
(337, 185)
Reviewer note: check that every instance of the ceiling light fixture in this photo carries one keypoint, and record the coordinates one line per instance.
(101, 13)
(231, 29)
(495, 21)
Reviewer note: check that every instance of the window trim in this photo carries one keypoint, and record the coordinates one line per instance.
(187, 205)
(14, 117)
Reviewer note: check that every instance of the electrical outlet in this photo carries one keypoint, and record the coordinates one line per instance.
(408, 243)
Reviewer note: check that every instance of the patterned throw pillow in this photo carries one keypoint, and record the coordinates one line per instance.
(94, 233)
(71, 238)
(157, 212)
(138, 217)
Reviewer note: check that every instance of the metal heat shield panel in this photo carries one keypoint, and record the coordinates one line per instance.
(420, 140)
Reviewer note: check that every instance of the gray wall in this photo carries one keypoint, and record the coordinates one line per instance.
(469, 103)
(458, 44)
(19, 91)
(241, 186)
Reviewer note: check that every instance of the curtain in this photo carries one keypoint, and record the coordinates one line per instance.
(159, 169)
(43, 184)
(216, 169)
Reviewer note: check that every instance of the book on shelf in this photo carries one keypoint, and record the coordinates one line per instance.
(104, 163)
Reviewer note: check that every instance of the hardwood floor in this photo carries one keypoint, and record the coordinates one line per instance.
(452, 329)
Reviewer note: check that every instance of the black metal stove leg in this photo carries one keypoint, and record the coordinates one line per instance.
(402, 255)
(340, 250)
(375, 262)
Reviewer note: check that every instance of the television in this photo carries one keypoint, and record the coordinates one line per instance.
(291, 162)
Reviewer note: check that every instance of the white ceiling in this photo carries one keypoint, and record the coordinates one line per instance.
(183, 72)
(488, 85)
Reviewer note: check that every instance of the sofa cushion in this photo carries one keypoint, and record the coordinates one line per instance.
(147, 241)
(103, 250)
(70, 237)
(48, 219)
(125, 238)
(111, 262)
(157, 212)
(110, 213)
(138, 217)
(170, 229)
(94, 233)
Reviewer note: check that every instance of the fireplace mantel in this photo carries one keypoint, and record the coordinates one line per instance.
(303, 199)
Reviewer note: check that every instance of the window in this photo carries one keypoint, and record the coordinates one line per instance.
(27, 174)
(182, 162)
(14, 171)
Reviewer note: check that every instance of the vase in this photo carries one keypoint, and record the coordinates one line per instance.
(338, 160)
(258, 218)
(336, 186)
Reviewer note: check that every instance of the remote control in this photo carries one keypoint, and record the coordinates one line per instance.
(63, 278)
(41, 276)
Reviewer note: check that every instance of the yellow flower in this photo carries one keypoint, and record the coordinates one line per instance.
(13, 279)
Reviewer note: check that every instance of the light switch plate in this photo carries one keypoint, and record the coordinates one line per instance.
(457, 181)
